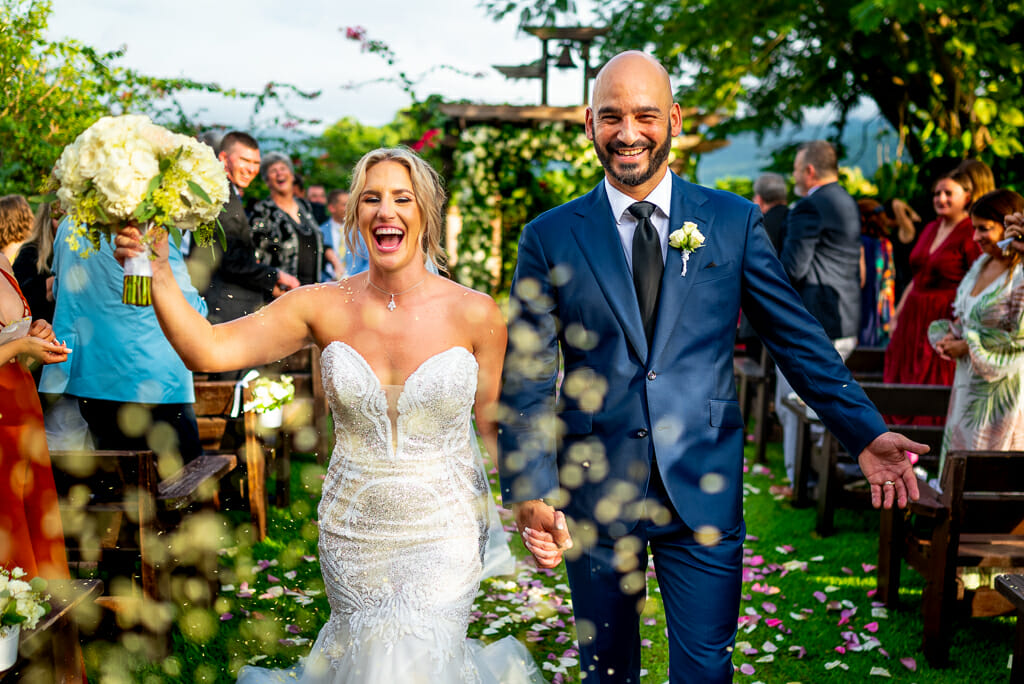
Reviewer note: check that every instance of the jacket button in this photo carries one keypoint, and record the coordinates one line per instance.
(651, 375)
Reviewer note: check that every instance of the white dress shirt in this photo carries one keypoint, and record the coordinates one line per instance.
(625, 222)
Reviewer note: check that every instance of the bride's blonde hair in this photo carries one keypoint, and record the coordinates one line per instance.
(426, 185)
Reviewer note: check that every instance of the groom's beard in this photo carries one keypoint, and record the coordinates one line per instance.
(634, 174)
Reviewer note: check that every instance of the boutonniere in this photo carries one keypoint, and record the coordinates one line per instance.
(686, 239)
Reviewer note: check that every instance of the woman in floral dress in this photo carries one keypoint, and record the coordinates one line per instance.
(986, 338)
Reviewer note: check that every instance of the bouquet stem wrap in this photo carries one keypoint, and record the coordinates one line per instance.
(138, 276)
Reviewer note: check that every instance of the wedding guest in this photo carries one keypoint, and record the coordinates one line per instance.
(284, 230)
(122, 401)
(15, 224)
(985, 338)
(33, 266)
(904, 239)
(238, 283)
(944, 253)
(877, 275)
(771, 196)
(316, 195)
(333, 230)
(31, 536)
(408, 358)
(980, 173)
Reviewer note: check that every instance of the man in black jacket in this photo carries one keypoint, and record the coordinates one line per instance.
(238, 284)
(821, 255)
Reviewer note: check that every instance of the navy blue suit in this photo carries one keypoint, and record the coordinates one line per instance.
(623, 407)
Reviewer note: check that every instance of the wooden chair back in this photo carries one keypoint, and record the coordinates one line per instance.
(976, 521)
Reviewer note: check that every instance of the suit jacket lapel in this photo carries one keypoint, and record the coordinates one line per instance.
(686, 206)
(599, 242)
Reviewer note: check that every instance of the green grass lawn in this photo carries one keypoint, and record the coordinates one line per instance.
(807, 613)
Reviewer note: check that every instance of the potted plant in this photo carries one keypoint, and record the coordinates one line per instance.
(268, 398)
(22, 603)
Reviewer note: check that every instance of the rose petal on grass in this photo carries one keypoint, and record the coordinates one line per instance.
(820, 595)
(769, 607)
(871, 626)
(747, 669)
(224, 617)
(868, 568)
(909, 663)
(800, 651)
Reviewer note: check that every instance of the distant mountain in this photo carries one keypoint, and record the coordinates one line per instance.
(869, 143)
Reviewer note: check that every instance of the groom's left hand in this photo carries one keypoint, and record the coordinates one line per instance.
(890, 473)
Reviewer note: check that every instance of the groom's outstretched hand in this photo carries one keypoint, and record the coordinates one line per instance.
(543, 530)
(890, 473)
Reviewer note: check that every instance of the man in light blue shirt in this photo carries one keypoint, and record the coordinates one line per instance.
(124, 373)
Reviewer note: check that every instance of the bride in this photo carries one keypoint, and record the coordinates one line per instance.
(408, 357)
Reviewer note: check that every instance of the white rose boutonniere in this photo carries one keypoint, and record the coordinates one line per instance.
(686, 239)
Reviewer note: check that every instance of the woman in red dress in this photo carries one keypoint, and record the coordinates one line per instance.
(944, 252)
(31, 536)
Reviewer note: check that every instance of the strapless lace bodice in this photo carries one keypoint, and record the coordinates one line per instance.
(403, 528)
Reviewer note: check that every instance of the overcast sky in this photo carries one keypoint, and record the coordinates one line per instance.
(247, 43)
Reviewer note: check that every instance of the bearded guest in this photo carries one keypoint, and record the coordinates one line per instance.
(238, 283)
(287, 235)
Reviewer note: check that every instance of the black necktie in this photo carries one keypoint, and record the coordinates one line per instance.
(648, 265)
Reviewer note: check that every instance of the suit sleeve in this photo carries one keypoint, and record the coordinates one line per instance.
(800, 348)
(803, 228)
(527, 429)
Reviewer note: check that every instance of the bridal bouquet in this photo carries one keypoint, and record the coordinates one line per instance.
(127, 170)
(21, 603)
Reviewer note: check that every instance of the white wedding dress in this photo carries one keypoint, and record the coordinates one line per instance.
(403, 529)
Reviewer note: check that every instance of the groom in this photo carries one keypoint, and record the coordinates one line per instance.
(647, 447)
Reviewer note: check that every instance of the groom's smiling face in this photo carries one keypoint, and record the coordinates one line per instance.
(632, 121)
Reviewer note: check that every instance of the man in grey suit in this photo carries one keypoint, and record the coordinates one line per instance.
(821, 255)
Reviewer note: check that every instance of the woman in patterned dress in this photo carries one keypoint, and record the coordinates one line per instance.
(986, 338)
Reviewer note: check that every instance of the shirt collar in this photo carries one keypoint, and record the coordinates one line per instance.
(660, 197)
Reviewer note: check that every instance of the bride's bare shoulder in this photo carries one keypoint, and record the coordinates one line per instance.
(472, 306)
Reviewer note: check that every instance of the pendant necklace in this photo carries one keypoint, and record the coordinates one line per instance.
(391, 302)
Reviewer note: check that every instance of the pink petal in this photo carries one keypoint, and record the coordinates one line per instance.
(272, 579)
(769, 607)
(292, 629)
(773, 622)
(868, 568)
(871, 626)
(841, 649)
(747, 669)
(224, 617)
(820, 595)
(909, 663)
(872, 592)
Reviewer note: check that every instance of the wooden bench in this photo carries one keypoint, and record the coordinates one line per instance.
(889, 399)
(50, 652)
(976, 521)
(1012, 589)
(219, 432)
(117, 514)
(754, 380)
(867, 363)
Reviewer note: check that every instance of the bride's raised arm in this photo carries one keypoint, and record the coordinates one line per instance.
(267, 335)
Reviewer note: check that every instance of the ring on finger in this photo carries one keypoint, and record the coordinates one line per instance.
(889, 483)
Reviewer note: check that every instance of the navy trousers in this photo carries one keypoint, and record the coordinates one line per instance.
(700, 583)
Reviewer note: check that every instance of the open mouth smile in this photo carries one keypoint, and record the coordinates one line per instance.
(388, 238)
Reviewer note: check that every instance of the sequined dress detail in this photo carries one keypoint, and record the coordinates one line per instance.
(403, 527)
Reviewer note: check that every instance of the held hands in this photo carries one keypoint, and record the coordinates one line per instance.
(41, 345)
(543, 531)
(951, 348)
(889, 471)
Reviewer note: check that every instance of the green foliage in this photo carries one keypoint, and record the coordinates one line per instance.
(50, 91)
(931, 66)
(512, 174)
(740, 185)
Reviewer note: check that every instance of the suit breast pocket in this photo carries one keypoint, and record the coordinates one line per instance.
(710, 274)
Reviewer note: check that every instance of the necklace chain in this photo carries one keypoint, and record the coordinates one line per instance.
(391, 302)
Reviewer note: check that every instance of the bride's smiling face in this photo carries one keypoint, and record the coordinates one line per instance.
(389, 216)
